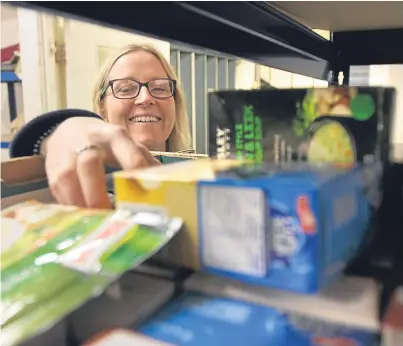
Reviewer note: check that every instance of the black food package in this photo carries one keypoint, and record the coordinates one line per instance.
(339, 125)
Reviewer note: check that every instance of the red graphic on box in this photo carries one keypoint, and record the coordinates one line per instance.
(305, 215)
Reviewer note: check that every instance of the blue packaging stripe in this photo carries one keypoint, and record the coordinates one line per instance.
(195, 319)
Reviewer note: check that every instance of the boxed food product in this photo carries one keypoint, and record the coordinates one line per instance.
(56, 257)
(335, 124)
(198, 319)
(342, 125)
(170, 190)
(351, 301)
(290, 227)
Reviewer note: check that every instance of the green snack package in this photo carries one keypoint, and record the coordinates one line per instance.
(54, 263)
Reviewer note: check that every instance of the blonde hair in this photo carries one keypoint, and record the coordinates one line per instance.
(179, 139)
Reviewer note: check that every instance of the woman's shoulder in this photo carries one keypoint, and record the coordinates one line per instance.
(28, 138)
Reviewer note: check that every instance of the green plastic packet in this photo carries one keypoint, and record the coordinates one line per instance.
(56, 265)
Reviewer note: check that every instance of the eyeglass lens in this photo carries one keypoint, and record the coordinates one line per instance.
(127, 88)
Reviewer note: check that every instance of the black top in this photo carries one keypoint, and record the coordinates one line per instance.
(25, 139)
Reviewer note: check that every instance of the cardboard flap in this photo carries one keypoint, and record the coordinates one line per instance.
(23, 170)
(32, 168)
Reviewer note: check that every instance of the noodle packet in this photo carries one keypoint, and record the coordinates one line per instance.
(60, 257)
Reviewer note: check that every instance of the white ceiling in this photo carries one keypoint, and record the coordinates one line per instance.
(344, 15)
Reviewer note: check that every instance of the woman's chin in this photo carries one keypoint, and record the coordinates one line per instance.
(150, 142)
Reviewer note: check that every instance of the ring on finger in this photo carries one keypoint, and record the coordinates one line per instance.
(91, 147)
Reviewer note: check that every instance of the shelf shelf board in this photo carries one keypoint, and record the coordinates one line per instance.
(254, 31)
(370, 47)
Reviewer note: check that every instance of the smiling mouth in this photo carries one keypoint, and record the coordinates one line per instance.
(145, 119)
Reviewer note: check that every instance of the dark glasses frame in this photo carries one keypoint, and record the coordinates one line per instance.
(111, 82)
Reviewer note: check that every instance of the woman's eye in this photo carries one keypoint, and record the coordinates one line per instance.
(159, 89)
(125, 89)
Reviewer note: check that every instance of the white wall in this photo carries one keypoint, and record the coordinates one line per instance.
(84, 43)
(9, 37)
(245, 75)
(9, 26)
(33, 69)
(392, 76)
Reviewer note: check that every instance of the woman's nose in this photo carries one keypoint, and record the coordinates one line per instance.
(143, 97)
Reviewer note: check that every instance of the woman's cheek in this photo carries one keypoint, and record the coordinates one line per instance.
(120, 114)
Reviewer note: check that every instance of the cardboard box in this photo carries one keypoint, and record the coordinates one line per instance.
(291, 227)
(342, 125)
(171, 190)
(199, 319)
(350, 301)
(23, 179)
(335, 124)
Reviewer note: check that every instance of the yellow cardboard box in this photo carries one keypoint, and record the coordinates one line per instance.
(171, 189)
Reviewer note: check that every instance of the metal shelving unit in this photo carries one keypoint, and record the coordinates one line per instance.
(255, 30)
(268, 33)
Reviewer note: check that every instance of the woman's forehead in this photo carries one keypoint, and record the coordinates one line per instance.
(140, 65)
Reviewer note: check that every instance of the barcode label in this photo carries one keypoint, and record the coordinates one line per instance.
(233, 228)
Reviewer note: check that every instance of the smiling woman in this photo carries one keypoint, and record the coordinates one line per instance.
(138, 82)
(138, 106)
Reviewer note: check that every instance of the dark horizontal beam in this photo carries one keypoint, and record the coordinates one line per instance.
(372, 47)
(249, 30)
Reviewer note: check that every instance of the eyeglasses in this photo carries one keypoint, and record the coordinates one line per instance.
(161, 88)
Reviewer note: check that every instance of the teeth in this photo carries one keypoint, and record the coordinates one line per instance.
(145, 119)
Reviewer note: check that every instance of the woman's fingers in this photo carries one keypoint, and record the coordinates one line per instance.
(80, 179)
(127, 153)
(91, 175)
(151, 160)
(65, 185)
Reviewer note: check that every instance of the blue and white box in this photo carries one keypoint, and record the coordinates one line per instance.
(292, 227)
(195, 319)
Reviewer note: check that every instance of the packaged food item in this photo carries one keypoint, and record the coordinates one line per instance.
(197, 319)
(335, 124)
(170, 190)
(351, 301)
(292, 227)
(29, 225)
(340, 125)
(67, 255)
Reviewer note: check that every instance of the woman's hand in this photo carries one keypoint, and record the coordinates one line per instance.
(79, 178)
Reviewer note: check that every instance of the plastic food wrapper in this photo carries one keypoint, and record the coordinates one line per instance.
(54, 258)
